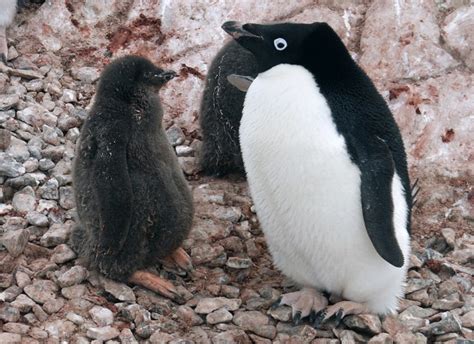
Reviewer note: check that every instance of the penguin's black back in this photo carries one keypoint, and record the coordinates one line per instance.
(221, 111)
(133, 202)
(358, 109)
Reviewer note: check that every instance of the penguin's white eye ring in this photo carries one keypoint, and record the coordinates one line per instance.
(280, 44)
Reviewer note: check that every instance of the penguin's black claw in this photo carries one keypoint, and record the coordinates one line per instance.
(3, 59)
(319, 318)
(339, 316)
(276, 304)
(312, 317)
(297, 318)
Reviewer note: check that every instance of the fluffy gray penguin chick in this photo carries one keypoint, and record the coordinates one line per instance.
(133, 203)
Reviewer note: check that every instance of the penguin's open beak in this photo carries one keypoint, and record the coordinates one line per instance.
(238, 30)
(167, 75)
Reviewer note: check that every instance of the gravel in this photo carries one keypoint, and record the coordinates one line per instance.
(46, 295)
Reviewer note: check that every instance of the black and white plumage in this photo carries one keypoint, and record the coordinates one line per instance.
(221, 111)
(133, 203)
(327, 170)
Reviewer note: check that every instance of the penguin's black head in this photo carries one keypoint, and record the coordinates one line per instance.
(314, 46)
(129, 74)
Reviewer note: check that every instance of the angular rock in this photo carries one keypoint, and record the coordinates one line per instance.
(458, 33)
(282, 313)
(206, 253)
(8, 101)
(382, 338)
(221, 315)
(160, 337)
(62, 254)
(24, 200)
(446, 325)
(66, 197)
(22, 279)
(9, 313)
(118, 290)
(50, 189)
(255, 322)
(10, 338)
(16, 328)
(231, 337)
(15, 241)
(56, 235)
(368, 323)
(73, 276)
(41, 290)
(74, 292)
(239, 263)
(127, 337)
(9, 167)
(208, 305)
(190, 317)
(37, 219)
(102, 333)
(18, 150)
(175, 135)
(53, 305)
(102, 316)
(86, 74)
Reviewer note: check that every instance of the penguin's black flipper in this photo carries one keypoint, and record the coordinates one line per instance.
(113, 191)
(377, 171)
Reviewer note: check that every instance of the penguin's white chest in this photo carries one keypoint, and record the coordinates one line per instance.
(306, 189)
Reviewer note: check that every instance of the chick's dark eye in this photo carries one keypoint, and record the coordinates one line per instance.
(280, 44)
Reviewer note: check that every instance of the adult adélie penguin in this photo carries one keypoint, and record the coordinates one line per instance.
(327, 171)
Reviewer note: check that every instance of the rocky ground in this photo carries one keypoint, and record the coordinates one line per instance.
(424, 69)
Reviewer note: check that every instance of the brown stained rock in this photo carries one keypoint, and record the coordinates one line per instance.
(189, 317)
(410, 49)
(41, 291)
(231, 337)
(457, 31)
(15, 241)
(368, 323)
(221, 315)
(382, 338)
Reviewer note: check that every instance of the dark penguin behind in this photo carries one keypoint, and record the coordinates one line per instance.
(133, 202)
(221, 111)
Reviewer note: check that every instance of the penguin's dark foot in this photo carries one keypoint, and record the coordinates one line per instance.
(179, 258)
(154, 283)
(304, 302)
(339, 311)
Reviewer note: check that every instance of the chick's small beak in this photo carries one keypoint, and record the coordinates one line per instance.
(167, 75)
(236, 30)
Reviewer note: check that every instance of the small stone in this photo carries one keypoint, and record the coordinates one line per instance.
(15, 241)
(75, 318)
(31, 165)
(221, 315)
(69, 96)
(282, 313)
(118, 290)
(18, 150)
(53, 305)
(57, 234)
(457, 33)
(10, 338)
(102, 316)
(45, 164)
(34, 85)
(447, 325)
(73, 276)
(231, 337)
(175, 135)
(368, 323)
(23, 303)
(415, 284)
(74, 292)
(102, 333)
(59, 328)
(255, 322)
(6, 280)
(127, 337)
(22, 279)
(382, 338)
(239, 263)
(9, 167)
(464, 256)
(449, 236)
(86, 74)
(41, 290)
(24, 200)
(14, 327)
(189, 165)
(208, 305)
(447, 304)
(160, 338)
(10, 294)
(230, 292)
(468, 320)
(5, 139)
(182, 150)
(9, 313)
(66, 197)
(39, 313)
(62, 254)
(38, 333)
(8, 101)
(50, 189)
(205, 253)
(35, 218)
(187, 314)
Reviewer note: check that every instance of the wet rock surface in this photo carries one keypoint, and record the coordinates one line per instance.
(423, 67)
